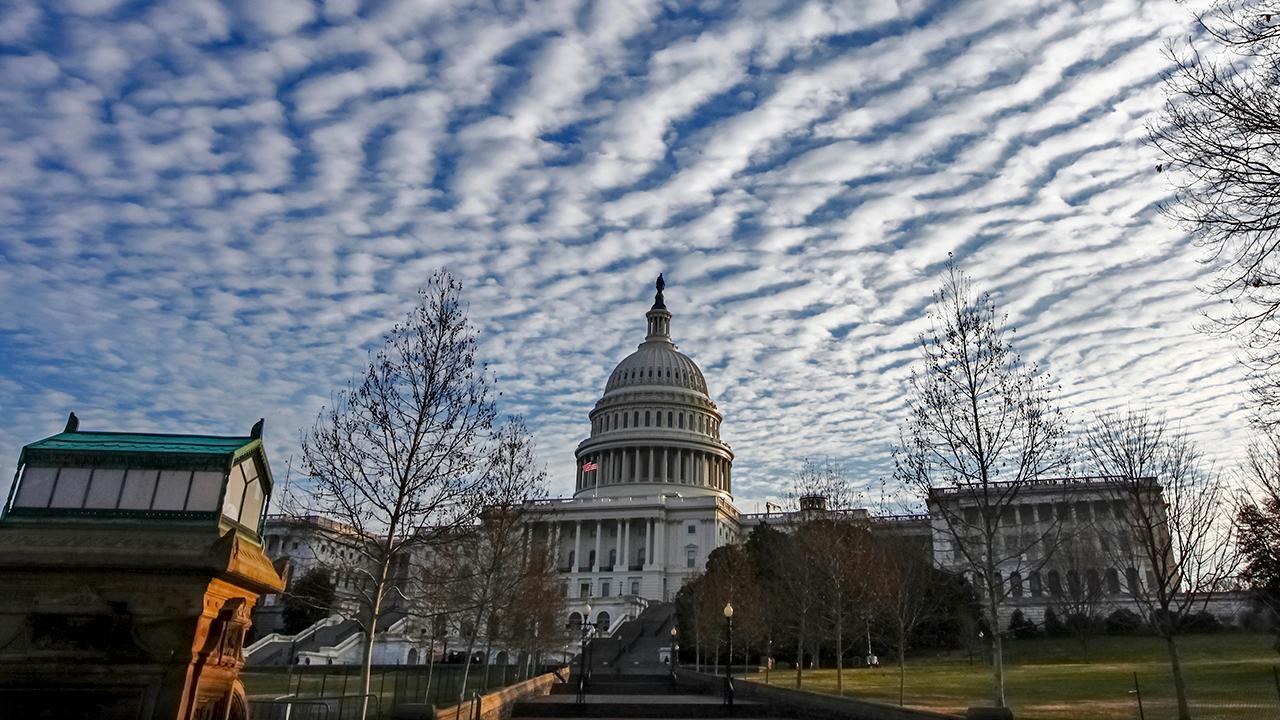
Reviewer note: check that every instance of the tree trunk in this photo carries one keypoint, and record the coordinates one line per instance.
(839, 654)
(366, 680)
(1179, 684)
(466, 661)
(902, 662)
(800, 654)
(488, 650)
(997, 658)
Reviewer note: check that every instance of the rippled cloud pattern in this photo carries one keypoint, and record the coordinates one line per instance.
(212, 211)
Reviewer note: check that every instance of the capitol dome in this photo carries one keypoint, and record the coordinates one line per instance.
(655, 429)
(657, 364)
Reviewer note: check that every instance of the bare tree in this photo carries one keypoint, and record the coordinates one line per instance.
(1170, 505)
(982, 427)
(393, 460)
(837, 543)
(492, 565)
(1220, 135)
(1258, 525)
(1083, 596)
(899, 583)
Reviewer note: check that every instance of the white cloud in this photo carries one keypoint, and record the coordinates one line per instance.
(209, 215)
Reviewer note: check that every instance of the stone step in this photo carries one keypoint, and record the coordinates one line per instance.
(671, 707)
(617, 687)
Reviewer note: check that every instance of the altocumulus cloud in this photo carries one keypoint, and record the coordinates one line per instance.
(212, 211)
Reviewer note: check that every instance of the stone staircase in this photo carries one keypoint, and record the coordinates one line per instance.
(632, 696)
(635, 645)
(627, 680)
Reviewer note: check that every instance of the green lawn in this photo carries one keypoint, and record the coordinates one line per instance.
(1229, 676)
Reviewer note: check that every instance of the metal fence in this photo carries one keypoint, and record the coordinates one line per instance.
(1253, 697)
(334, 692)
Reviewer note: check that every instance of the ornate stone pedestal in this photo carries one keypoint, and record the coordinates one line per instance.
(129, 612)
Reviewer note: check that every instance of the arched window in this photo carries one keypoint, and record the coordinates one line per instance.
(659, 418)
(1055, 583)
(575, 619)
(1015, 584)
(624, 420)
(1095, 582)
(1036, 589)
(635, 419)
(1131, 580)
(602, 622)
(681, 421)
(646, 418)
(670, 419)
(1073, 584)
(1113, 581)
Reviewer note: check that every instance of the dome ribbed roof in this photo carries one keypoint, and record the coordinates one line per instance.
(657, 363)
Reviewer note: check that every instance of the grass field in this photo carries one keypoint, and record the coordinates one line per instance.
(1229, 677)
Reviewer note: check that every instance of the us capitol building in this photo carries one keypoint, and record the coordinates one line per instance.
(653, 494)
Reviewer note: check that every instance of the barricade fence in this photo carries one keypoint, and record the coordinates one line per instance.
(334, 692)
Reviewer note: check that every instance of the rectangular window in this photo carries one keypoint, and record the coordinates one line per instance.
(252, 509)
(635, 587)
(171, 491)
(36, 487)
(139, 487)
(604, 588)
(584, 590)
(235, 493)
(104, 489)
(693, 529)
(71, 487)
(691, 558)
(205, 487)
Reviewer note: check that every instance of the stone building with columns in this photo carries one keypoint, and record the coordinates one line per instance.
(653, 490)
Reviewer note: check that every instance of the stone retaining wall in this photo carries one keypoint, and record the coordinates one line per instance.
(801, 704)
(497, 705)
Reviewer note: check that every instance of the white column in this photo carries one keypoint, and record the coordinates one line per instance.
(665, 469)
(623, 543)
(595, 566)
(660, 543)
(648, 534)
(577, 547)
(554, 532)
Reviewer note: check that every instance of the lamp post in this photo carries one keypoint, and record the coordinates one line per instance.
(583, 625)
(728, 666)
(675, 655)
(768, 658)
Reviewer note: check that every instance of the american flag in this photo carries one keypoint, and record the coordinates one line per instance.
(589, 466)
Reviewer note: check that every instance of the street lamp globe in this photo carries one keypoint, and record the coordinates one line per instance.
(728, 611)
(674, 632)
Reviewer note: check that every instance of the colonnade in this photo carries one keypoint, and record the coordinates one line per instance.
(639, 543)
(656, 464)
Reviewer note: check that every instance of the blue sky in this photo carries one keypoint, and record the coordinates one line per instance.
(211, 211)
